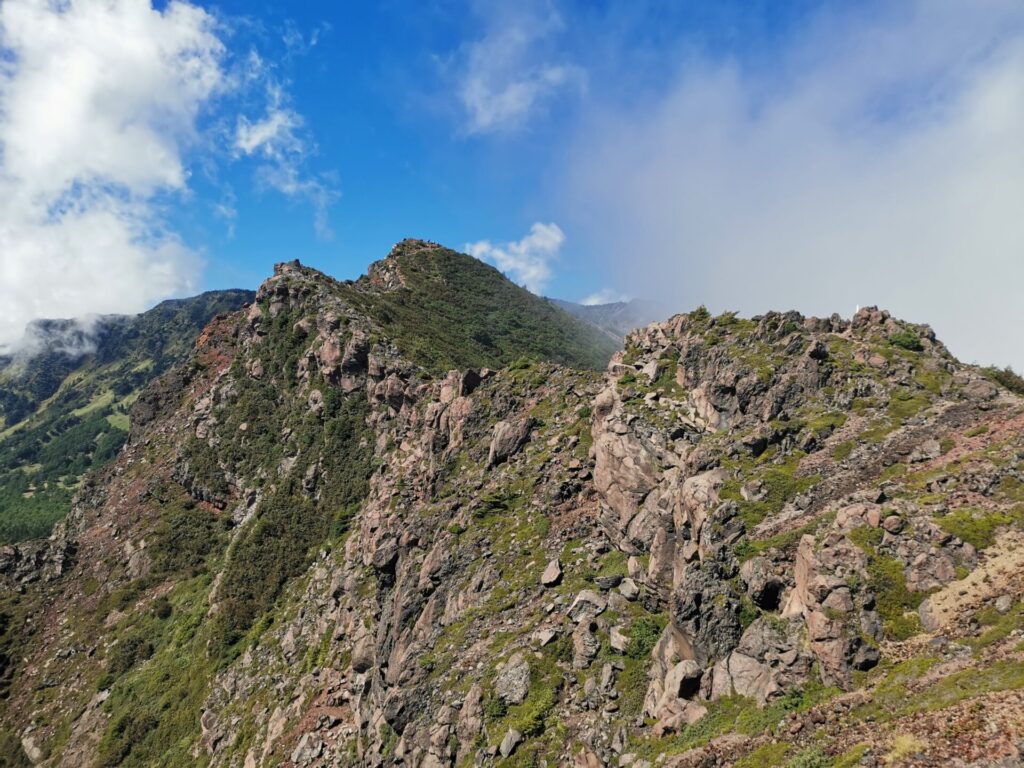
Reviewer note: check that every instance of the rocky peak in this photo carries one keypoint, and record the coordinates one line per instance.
(386, 274)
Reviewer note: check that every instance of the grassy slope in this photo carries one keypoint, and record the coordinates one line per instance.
(457, 312)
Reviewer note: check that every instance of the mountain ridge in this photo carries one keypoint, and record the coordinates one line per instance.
(745, 540)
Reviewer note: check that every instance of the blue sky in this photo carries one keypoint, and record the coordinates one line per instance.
(378, 94)
(745, 155)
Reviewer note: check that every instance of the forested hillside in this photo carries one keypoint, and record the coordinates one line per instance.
(64, 403)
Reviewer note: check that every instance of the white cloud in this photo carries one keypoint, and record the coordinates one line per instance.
(879, 161)
(526, 261)
(276, 139)
(506, 76)
(97, 103)
(604, 296)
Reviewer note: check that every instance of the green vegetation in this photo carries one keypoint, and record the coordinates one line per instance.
(812, 757)
(154, 707)
(457, 312)
(67, 415)
(894, 601)
(1006, 377)
(997, 626)
(843, 450)
(737, 714)
(906, 339)
(277, 544)
(780, 484)
(644, 635)
(978, 527)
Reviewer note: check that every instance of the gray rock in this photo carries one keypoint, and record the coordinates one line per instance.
(552, 574)
(1004, 603)
(618, 639)
(629, 589)
(585, 645)
(512, 740)
(544, 636)
(309, 749)
(512, 683)
(587, 605)
(507, 439)
(607, 582)
(763, 586)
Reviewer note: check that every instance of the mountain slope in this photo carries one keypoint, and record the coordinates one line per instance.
(64, 405)
(747, 542)
(450, 310)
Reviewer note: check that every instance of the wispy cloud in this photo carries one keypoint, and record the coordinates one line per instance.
(278, 139)
(879, 161)
(604, 296)
(509, 73)
(98, 102)
(526, 261)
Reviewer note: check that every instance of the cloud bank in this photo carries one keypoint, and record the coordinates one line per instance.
(97, 103)
(879, 160)
(101, 106)
(526, 261)
(512, 70)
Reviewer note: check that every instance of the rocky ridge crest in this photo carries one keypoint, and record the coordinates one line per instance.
(742, 539)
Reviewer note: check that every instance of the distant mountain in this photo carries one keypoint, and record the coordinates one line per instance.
(616, 319)
(64, 399)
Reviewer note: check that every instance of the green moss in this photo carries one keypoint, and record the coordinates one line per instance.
(811, 757)
(889, 584)
(765, 756)
(866, 537)
(981, 429)
(1011, 489)
(906, 403)
(842, 451)
(826, 423)
(851, 757)
(935, 380)
(748, 548)
(906, 339)
(997, 626)
(878, 430)
(781, 485)
(892, 471)
(978, 527)
(740, 715)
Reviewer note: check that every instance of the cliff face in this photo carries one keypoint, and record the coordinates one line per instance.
(767, 540)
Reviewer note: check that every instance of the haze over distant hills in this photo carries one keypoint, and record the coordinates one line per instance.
(616, 319)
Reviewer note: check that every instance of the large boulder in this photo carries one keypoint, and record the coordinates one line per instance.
(507, 438)
(512, 682)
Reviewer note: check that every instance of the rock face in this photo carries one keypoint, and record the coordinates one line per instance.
(319, 550)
